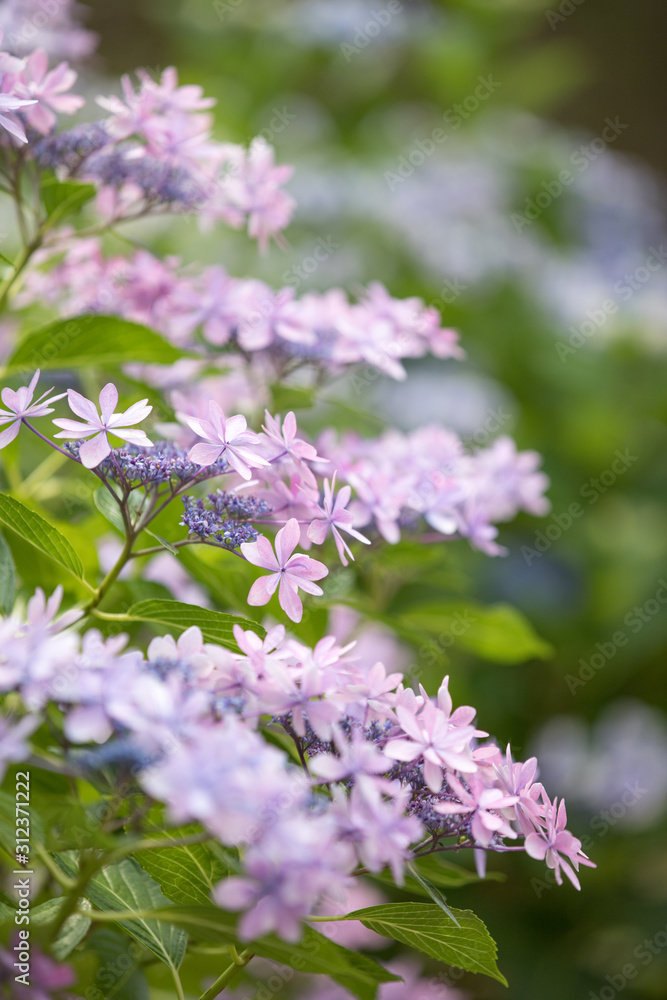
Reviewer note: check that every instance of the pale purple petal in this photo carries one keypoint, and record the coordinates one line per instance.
(108, 401)
(94, 451)
(205, 454)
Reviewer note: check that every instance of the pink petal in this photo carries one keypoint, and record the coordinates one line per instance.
(108, 401)
(305, 567)
(38, 63)
(263, 589)
(409, 723)
(74, 428)
(138, 411)
(133, 437)
(237, 464)
(433, 775)
(94, 451)
(8, 435)
(13, 127)
(317, 531)
(535, 846)
(290, 601)
(402, 750)
(286, 540)
(83, 407)
(205, 454)
(234, 427)
(260, 553)
(298, 581)
(289, 428)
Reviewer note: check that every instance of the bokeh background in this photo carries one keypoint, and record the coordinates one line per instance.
(561, 300)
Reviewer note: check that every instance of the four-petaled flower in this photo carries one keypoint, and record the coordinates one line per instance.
(555, 840)
(288, 572)
(228, 436)
(432, 736)
(46, 90)
(20, 405)
(484, 803)
(102, 424)
(332, 514)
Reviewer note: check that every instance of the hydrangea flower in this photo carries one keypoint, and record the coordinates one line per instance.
(334, 517)
(46, 91)
(553, 841)
(431, 735)
(289, 572)
(224, 436)
(98, 426)
(20, 406)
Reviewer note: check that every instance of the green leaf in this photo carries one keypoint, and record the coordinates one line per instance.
(8, 821)
(108, 508)
(87, 341)
(40, 533)
(126, 886)
(496, 632)
(61, 198)
(163, 542)
(70, 934)
(287, 397)
(425, 927)
(186, 874)
(432, 891)
(7, 577)
(314, 953)
(176, 617)
(119, 976)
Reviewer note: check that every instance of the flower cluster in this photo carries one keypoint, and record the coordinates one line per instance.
(324, 329)
(398, 481)
(388, 773)
(154, 151)
(30, 24)
(31, 95)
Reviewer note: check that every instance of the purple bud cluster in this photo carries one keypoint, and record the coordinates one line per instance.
(161, 183)
(163, 463)
(71, 148)
(223, 517)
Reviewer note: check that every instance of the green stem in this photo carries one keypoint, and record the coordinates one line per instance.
(230, 973)
(156, 845)
(86, 872)
(19, 264)
(177, 983)
(99, 594)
